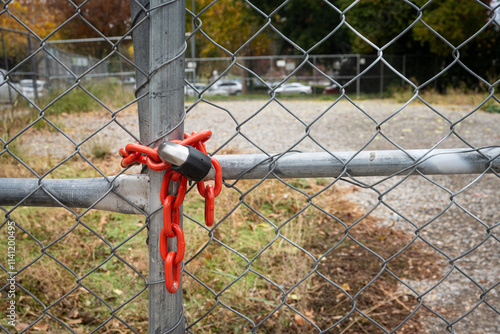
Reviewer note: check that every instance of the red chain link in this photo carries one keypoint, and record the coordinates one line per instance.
(137, 153)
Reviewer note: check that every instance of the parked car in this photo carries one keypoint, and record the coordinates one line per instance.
(273, 83)
(7, 93)
(28, 90)
(213, 90)
(129, 80)
(293, 88)
(232, 87)
(333, 89)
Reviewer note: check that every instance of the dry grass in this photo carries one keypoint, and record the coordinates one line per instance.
(260, 261)
(64, 240)
(250, 282)
(284, 265)
(452, 96)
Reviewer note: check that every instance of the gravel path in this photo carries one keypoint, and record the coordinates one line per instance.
(344, 127)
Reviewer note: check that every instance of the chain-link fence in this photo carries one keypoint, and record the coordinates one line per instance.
(341, 212)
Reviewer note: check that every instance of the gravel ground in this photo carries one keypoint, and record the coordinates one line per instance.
(344, 127)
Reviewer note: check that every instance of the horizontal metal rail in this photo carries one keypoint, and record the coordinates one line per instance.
(356, 164)
(128, 193)
(88, 40)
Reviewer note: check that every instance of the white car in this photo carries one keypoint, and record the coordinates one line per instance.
(7, 93)
(293, 88)
(213, 90)
(28, 90)
(232, 87)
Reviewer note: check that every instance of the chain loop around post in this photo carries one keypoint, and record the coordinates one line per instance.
(181, 245)
(137, 153)
(172, 273)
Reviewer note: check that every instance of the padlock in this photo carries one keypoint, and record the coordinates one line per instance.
(187, 160)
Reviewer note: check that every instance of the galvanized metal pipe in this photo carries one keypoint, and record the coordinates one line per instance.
(128, 195)
(365, 163)
(163, 121)
(83, 193)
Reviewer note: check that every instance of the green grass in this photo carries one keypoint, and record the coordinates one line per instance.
(81, 251)
(244, 231)
(80, 99)
(492, 106)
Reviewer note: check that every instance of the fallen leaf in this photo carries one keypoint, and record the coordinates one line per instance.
(310, 315)
(346, 287)
(74, 321)
(21, 326)
(298, 319)
(41, 327)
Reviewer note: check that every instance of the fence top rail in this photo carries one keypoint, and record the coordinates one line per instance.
(87, 40)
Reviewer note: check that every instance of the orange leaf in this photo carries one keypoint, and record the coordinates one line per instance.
(310, 315)
(299, 320)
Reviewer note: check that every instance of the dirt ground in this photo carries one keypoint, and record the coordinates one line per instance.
(453, 216)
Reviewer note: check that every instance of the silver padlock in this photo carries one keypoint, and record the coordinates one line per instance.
(187, 160)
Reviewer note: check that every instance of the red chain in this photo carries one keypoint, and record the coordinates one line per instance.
(137, 153)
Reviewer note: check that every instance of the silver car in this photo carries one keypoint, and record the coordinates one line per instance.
(213, 90)
(7, 93)
(29, 91)
(293, 88)
(232, 87)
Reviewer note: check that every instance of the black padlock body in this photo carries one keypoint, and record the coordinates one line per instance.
(196, 166)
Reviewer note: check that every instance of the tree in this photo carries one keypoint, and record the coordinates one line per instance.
(456, 21)
(238, 25)
(230, 24)
(306, 23)
(110, 18)
(380, 21)
(36, 16)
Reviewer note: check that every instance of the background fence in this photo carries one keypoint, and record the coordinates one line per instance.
(341, 213)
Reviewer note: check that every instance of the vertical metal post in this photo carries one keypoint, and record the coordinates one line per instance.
(358, 70)
(314, 73)
(271, 68)
(404, 71)
(33, 69)
(47, 69)
(122, 77)
(11, 101)
(161, 116)
(193, 42)
(381, 79)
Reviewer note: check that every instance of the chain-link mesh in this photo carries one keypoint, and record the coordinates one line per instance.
(409, 252)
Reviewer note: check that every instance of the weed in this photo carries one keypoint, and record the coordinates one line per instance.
(81, 251)
(101, 147)
(267, 233)
(81, 99)
(284, 264)
(456, 96)
(492, 107)
(44, 125)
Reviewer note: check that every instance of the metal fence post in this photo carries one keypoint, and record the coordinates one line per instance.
(161, 115)
(381, 79)
(6, 64)
(358, 70)
(34, 70)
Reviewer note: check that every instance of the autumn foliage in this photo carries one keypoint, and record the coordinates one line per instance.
(62, 19)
